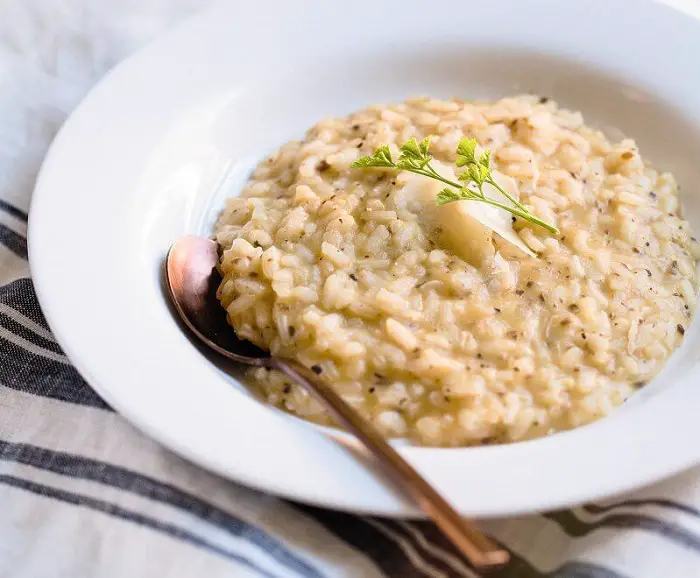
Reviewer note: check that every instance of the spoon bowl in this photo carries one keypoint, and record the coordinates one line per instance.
(192, 281)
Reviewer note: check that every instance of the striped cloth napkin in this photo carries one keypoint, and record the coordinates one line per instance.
(83, 494)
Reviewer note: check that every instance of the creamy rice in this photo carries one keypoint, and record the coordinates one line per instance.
(333, 266)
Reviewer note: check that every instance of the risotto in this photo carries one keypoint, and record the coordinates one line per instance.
(431, 339)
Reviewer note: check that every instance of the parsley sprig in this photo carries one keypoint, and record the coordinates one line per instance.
(415, 158)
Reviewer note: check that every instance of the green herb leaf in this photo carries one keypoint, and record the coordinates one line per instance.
(475, 174)
(414, 154)
(407, 164)
(363, 162)
(466, 150)
(485, 159)
(425, 145)
(380, 158)
(411, 149)
(484, 173)
(447, 195)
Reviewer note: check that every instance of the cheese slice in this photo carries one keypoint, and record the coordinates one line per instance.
(464, 227)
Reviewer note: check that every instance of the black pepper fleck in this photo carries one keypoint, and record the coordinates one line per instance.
(317, 369)
(353, 276)
(519, 292)
(680, 329)
(292, 330)
(544, 100)
(323, 166)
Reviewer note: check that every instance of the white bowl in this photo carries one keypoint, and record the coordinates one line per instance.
(154, 149)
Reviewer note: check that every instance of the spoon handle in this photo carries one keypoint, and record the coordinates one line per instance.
(477, 548)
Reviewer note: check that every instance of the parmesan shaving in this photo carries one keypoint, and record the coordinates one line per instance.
(464, 227)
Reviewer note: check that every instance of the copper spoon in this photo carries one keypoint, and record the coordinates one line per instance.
(192, 279)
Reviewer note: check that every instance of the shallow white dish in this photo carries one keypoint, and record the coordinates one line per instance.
(154, 149)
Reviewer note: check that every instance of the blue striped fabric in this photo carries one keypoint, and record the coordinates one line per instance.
(83, 494)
